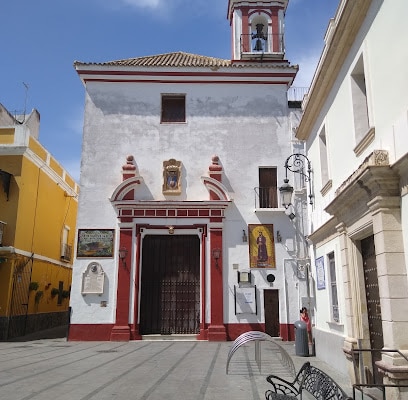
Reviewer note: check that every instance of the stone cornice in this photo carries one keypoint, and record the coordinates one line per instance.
(349, 18)
(373, 179)
(376, 158)
(401, 166)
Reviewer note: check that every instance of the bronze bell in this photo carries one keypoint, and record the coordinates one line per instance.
(258, 45)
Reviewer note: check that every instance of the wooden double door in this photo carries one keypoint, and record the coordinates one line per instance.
(170, 285)
(373, 302)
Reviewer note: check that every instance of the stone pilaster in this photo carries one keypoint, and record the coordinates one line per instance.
(393, 287)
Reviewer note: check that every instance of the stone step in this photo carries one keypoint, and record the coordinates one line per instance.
(174, 337)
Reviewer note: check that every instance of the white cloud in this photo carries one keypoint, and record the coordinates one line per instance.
(163, 8)
(152, 4)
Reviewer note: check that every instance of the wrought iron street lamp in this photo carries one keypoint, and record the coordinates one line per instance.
(295, 163)
(286, 193)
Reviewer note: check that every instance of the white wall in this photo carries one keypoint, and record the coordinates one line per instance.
(387, 84)
(246, 125)
(381, 43)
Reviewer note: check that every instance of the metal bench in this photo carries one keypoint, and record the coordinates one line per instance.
(310, 379)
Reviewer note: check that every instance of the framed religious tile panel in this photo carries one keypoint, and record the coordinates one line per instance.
(261, 246)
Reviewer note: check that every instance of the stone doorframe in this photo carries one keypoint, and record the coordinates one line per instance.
(131, 211)
(369, 202)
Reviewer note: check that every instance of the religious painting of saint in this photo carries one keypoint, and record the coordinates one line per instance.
(172, 177)
(261, 246)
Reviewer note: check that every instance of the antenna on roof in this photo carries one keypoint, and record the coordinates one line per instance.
(25, 100)
(17, 114)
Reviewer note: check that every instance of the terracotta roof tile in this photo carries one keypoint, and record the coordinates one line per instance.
(176, 59)
(182, 59)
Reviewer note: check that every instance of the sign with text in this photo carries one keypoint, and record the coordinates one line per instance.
(320, 274)
(245, 300)
(93, 279)
(95, 242)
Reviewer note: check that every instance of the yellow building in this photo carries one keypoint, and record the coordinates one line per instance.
(38, 209)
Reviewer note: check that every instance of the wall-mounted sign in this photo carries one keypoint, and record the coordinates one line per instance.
(93, 279)
(261, 246)
(95, 242)
(244, 276)
(320, 275)
(245, 300)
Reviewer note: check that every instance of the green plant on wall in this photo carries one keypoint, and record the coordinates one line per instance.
(54, 292)
(33, 286)
(65, 294)
(38, 296)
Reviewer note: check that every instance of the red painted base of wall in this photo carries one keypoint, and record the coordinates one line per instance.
(108, 332)
(287, 332)
(120, 333)
(217, 333)
(88, 332)
(203, 335)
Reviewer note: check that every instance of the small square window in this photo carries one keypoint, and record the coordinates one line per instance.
(173, 108)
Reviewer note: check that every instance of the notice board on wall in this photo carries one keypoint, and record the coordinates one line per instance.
(245, 300)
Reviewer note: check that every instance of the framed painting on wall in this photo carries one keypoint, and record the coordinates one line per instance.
(95, 243)
(261, 246)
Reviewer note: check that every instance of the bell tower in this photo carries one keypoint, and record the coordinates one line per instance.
(257, 29)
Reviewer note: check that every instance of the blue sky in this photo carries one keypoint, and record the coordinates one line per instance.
(41, 39)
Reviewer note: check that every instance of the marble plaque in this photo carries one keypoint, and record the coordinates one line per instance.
(93, 279)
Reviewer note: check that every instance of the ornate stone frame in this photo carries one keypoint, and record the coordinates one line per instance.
(171, 177)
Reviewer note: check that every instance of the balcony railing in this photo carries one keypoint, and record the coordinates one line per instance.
(369, 375)
(253, 43)
(297, 93)
(66, 252)
(2, 229)
(266, 197)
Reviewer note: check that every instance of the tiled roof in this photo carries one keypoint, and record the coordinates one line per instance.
(176, 59)
(182, 59)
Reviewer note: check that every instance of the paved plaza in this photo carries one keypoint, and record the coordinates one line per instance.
(57, 369)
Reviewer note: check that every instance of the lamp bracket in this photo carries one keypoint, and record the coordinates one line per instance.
(296, 163)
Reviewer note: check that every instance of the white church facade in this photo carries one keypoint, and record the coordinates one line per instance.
(180, 227)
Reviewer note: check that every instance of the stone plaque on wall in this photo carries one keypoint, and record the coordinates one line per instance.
(93, 279)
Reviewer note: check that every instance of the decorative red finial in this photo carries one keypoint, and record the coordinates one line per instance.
(130, 164)
(129, 169)
(215, 168)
